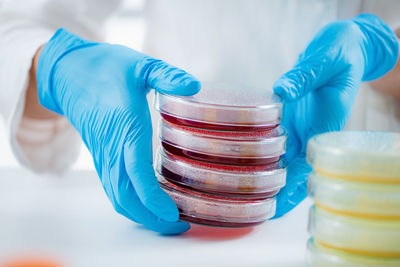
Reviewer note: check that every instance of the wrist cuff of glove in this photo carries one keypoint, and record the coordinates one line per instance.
(381, 46)
(59, 45)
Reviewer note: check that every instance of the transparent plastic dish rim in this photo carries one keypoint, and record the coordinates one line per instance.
(338, 256)
(164, 155)
(193, 102)
(352, 185)
(268, 140)
(344, 197)
(209, 197)
(335, 151)
(359, 224)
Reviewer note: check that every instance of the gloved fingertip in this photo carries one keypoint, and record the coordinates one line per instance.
(178, 228)
(168, 79)
(193, 87)
(282, 89)
(171, 215)
(167, 228)
(187, 87)
(162, 206)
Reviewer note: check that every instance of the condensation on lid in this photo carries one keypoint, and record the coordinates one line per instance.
(223, 106)
(250, 182)
(266, 146)
(232, 96)
(357, 155)
(269, 169)
(212, 208)
(259, 136)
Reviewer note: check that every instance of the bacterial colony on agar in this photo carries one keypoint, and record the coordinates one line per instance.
(220, 157)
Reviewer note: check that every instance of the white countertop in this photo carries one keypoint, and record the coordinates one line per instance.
(70, 219)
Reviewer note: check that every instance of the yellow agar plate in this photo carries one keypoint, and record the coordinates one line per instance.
(356, 155)
(320, 256)
(353, 198)
(372, 237)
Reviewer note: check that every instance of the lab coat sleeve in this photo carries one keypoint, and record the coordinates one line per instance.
(43, 146)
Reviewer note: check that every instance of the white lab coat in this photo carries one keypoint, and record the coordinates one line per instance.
(249, 42)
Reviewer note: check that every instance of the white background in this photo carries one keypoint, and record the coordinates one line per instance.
(129, 19)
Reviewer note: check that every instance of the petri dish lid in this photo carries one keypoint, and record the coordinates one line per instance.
(232, 179)
(259, 136)
(318, 256)
(223, 105)
(356, 155)
(218, 208)
(355, 198)
(269, 143)
(364, 236)
(276, 168)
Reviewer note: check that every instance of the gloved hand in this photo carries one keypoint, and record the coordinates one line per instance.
(319, 91)
(101, 89)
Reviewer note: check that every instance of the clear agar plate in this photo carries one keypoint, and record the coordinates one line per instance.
(355, 198)
(211, 210)
(364, 236)
(223, 107)
(367, 156)
(320, 256)
(250, 182)
(232, 148)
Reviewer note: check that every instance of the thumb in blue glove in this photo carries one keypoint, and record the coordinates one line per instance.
(320, 90)
(101, 89)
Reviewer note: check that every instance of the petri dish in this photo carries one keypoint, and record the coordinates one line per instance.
(355, 198)
(211, 210)
(318, 255)
(364, 236)
(231, 148)
(223, 107)
(356, 155)
(250, 182)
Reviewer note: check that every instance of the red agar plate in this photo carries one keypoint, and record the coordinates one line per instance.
(249, 182)
(231, 148)
(224, 108)
(218, 211)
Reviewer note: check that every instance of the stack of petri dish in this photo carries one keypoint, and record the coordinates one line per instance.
(220, 154)
(355, 220)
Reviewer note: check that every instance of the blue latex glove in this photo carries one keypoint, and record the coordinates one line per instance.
(101, 89)
(319, 91)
